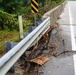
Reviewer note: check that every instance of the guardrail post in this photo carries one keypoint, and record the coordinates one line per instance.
(21, 27)
(8, 48)
(35, 19)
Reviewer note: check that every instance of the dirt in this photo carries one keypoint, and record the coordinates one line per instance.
(34, 64)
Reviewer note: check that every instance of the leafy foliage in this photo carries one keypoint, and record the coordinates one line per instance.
(9, 11)
(7, 21)
(11, 6)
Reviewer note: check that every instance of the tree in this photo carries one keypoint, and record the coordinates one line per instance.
(11, 6)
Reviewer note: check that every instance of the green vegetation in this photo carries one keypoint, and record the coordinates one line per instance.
(9, 11)
(7, 36)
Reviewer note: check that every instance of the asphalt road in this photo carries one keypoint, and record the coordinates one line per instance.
(65, 64)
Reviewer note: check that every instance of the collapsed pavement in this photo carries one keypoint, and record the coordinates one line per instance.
(51, 45)
(38, 55)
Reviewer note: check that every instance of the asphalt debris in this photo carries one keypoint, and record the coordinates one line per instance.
(30, 62)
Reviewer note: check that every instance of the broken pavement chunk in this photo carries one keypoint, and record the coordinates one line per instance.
(40, 60)
(52, 45)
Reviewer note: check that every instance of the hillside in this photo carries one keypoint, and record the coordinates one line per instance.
(9, 12)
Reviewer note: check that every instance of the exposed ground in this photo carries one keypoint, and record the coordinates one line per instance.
(30, 63)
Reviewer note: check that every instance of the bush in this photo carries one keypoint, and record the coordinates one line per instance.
(7, 21)
(26, 24)
(54, 4)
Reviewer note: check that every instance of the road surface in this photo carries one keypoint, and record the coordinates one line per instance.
(65, 64)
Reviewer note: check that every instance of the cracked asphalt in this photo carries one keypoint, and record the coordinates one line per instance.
(64, 64)
(65, 38)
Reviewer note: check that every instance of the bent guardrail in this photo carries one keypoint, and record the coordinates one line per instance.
(14, 54)
(8, 60)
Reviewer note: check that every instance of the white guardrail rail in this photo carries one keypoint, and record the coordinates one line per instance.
(9, 59)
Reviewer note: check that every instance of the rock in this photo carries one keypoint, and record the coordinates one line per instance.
(54, 31)
(45, 51)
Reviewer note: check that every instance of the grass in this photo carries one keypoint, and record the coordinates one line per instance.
(10, 36)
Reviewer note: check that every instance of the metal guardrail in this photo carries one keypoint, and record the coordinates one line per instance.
(8, 60)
